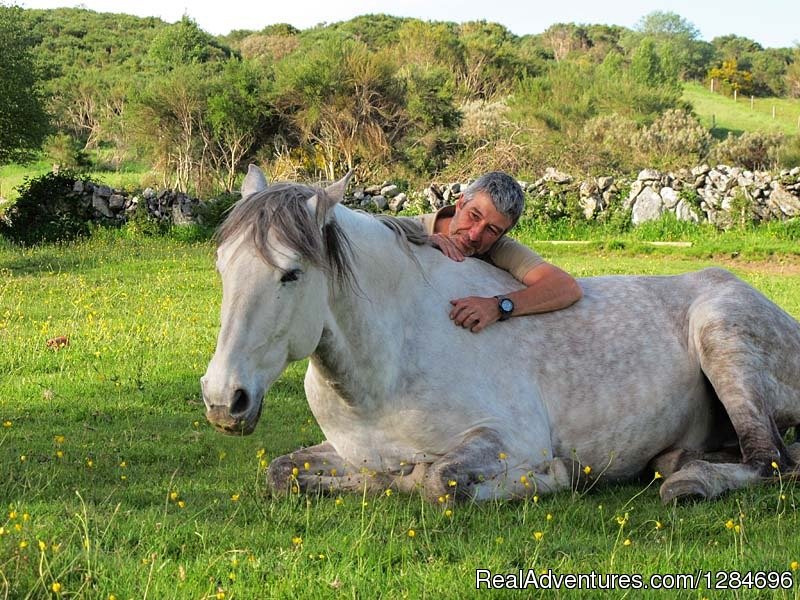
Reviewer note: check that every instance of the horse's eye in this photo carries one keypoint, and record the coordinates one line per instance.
(291, 275)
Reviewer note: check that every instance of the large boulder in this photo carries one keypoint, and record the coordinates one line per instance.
(786, 202)
(648, 206)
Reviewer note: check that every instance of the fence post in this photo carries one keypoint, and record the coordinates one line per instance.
(735, 94)
(712, 85)
(751, 102)
(773, 111)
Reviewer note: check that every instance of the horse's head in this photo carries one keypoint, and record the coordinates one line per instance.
(275, 254)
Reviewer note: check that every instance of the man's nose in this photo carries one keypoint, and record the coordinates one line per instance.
(475, 233)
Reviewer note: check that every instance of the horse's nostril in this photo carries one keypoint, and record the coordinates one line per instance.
(241, 403)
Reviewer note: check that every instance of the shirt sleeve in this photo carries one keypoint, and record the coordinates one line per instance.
(514, 257)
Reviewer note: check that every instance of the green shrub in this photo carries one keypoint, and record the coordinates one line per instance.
(214, 212)
(47, 210)
(141, 224)
(65, 151)
(752, 150)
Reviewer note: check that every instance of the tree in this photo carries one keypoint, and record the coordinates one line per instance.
(667, 24)
(184, 43)
(732, 77)
(342, 101)
(678, 44)
(23, 120)
(235, 117)
(793, 76)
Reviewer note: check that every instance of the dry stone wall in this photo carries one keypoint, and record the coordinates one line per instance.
(720, 195)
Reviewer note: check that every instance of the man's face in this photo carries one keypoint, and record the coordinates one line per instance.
(477, 224)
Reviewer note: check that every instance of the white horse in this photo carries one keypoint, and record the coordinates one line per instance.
(696, 375)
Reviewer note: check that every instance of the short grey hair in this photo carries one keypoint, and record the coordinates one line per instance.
(506, 194)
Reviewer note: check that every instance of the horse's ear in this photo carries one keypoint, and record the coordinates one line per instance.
(255, 181)
(335, 191)
(334, 194)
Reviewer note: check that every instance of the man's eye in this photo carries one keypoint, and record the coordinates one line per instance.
(291, 275)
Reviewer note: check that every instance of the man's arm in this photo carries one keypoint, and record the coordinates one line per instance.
(548, 288)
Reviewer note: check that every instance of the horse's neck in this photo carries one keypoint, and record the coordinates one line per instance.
(362, 343)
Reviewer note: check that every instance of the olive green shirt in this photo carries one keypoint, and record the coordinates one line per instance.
(506, 254)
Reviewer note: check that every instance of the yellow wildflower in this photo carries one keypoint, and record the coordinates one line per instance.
(339, 501)
(23, 544)
(387, 493)
(774, 465)
(659, 525)
(549, 517)
(295, 471)
(538, 535)
(173, 496)
(729, 524)
(181, 504)
(307, 466)
(7, 424)
(448, 513)
(627, 542)
(411, 533)
(657, 475)
(235, 498)
(297, 540)
(59, 439)
(794, 565)
(587, 469)
(502, 456)
(56, 587)
(452, 483)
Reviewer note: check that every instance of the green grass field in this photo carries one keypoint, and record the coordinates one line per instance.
(724, 115)
(132, 177)
(113, 485)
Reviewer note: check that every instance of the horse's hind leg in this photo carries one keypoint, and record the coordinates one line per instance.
(749, 348)
(478, 469)
(702, 479)
(320, 469)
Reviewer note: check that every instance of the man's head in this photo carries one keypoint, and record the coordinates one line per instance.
(489, 207)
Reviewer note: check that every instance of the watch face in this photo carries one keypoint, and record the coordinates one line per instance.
(506, 305)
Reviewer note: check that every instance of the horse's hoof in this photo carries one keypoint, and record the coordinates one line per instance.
(280, 478)
(682, 489)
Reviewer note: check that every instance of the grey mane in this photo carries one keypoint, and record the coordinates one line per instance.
(282, 206)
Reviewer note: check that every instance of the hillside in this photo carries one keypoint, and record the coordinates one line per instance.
(725, 115)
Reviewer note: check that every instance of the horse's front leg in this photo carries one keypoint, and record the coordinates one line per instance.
(481, 469)
(320, 469)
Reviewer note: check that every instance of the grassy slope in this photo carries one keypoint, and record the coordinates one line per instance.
(142, 317)
(738, 116)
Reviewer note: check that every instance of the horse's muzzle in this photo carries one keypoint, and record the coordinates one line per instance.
(222, 420)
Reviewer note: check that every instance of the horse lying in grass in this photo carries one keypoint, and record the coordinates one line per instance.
(696, 376)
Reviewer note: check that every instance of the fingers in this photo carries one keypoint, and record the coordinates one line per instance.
(468, 313)
(446, 245)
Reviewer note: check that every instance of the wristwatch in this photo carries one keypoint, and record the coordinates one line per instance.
(506, 307)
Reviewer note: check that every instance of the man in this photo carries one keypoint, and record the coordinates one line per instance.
(476, 226)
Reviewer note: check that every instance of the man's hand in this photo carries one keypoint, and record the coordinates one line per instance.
(474, 313)
(446, 245)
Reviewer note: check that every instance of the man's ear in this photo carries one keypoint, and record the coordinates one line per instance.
(255, 181)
